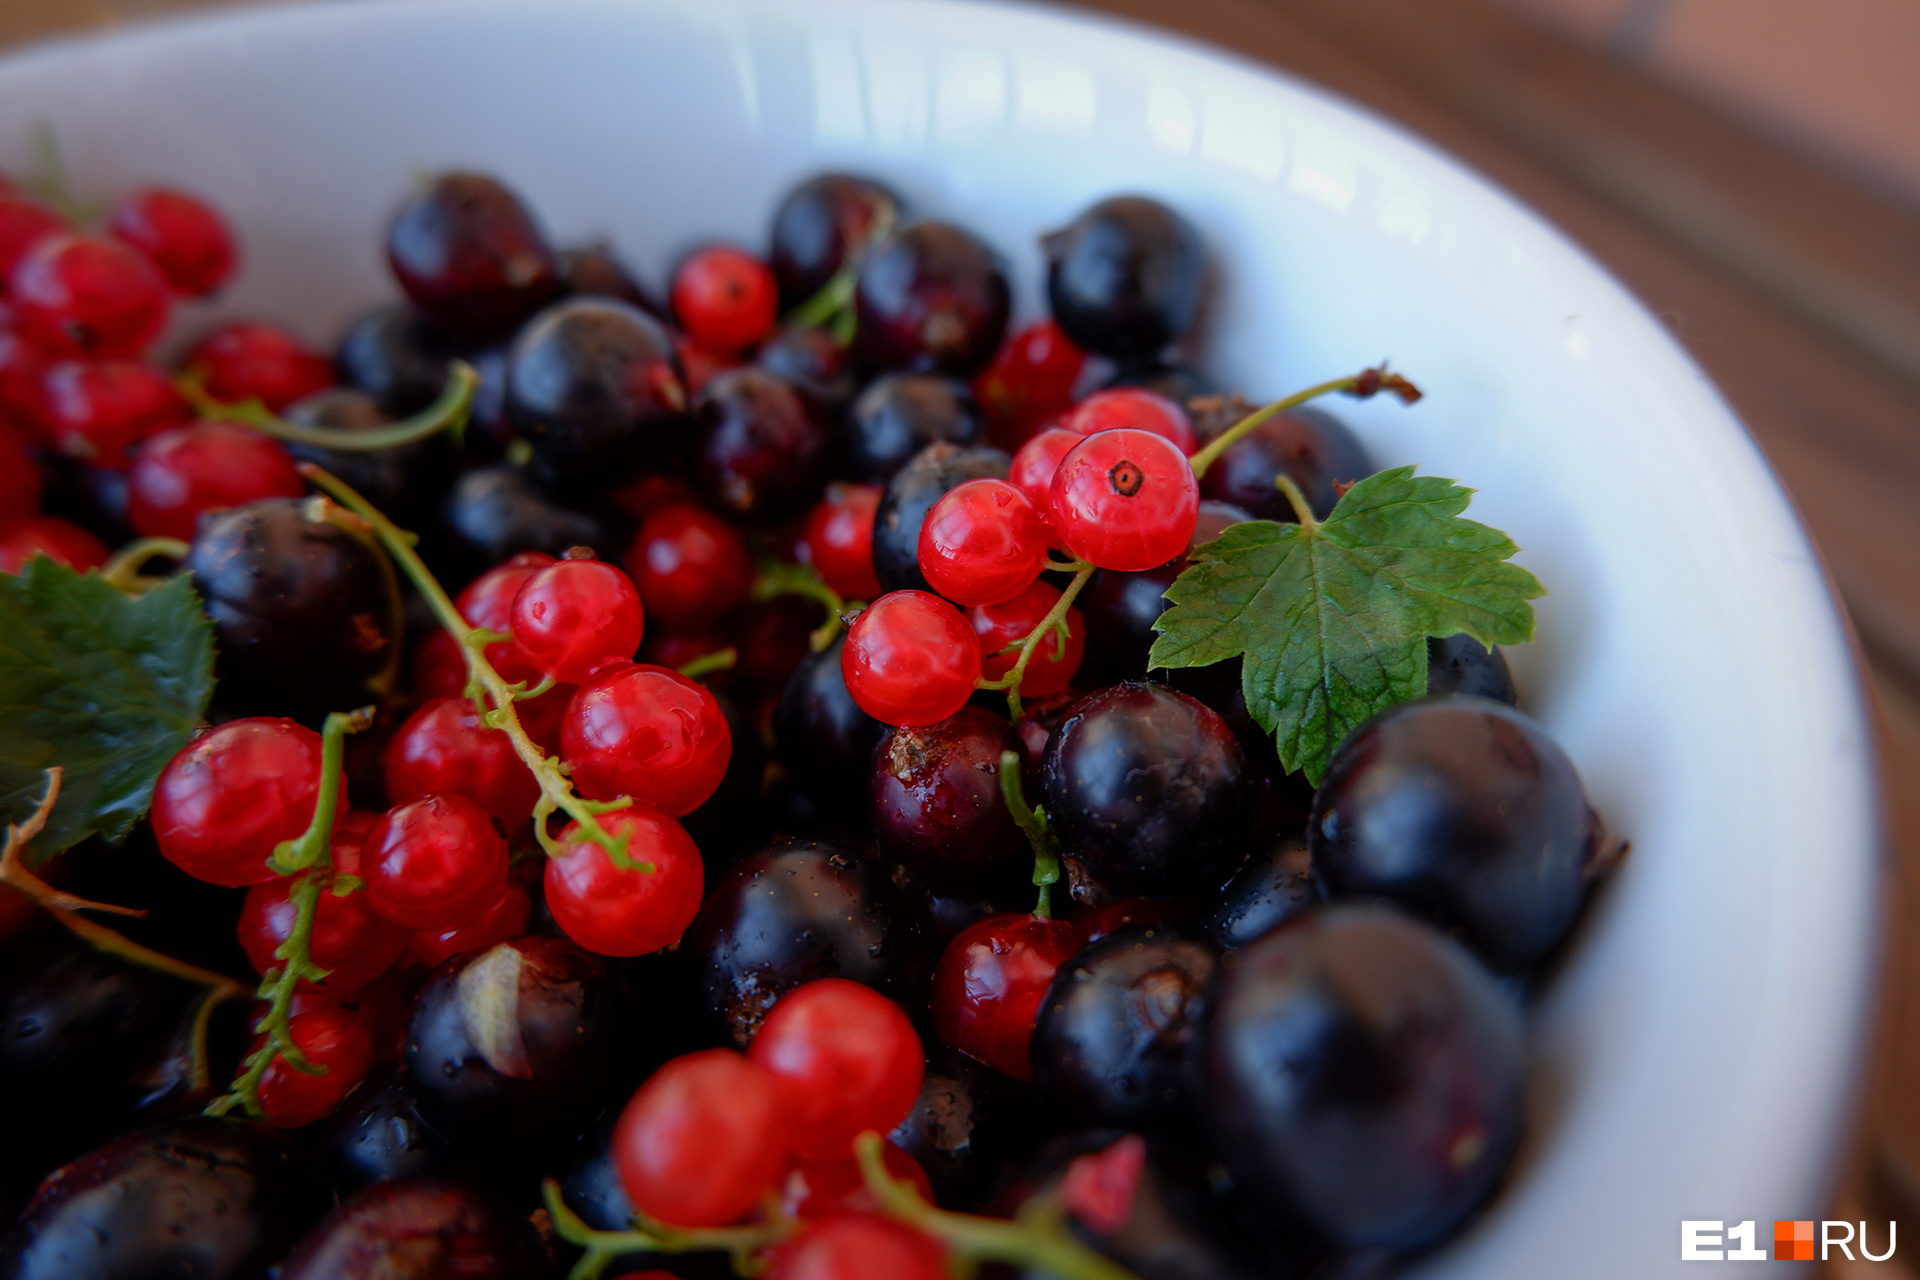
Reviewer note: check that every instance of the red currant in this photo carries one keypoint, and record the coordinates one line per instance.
(700, 364)
(1030, 380)
(95, 409)
(824, 1187)
(1125, 500)
(445, 746)
(331, 1037)
(437, 669)
(725, 299)
(861, 1246)
(350, 940)
(182, 236)
(1132, 408)
(1101, 1186)
(487, 602)
(22, 367)
(19, 480)
(989, 983)
(641, 497)
(185, 472)
(702, 1140)
(690, 566)
(574, 615)
(24, 223)
(434, 862)
(506, 918)
(248, 360)
(646, 732)
(839, 540)
(1050, 669)
(616, 912)
(982, 543)
(910, 659)
(1090, 924)
(53, 538)
(850, 1060)
(1039, 458)
(234, 793)
(85, 296)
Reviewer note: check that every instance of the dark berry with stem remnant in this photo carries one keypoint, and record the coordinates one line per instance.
(394, 354)
(910, 494)
(821, 226)
(900, 414)
(936, 799)
(1124, 278)
(822, 736)
(1274, 885)
(930, 297)
(961, 1128)
(595, 389)
(469, 254)
(1309, 446)
(762, 446)
(426, 1226)
(1461, 664)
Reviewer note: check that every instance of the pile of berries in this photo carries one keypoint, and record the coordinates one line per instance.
(652, 815)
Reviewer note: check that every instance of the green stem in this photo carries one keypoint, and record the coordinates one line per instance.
(1365, 383)
(1056, 618)
(780, 578)
(314, 846)
(708, 663)
(123, 570)
(556, 792)
(1038, 1240)
(1302, 509)
(1032, 821)
(602, 1247)
(449, 411)
(831, 306)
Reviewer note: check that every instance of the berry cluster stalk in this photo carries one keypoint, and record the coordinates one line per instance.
(448, 412)
(1056, 620)
(556, 792)
(1362, 385)
(648, 1236)
(779, 578)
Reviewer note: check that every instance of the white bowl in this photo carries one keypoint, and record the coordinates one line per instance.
(1695, 1058)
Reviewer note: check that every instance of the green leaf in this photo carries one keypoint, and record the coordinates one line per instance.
(1333, 617)
(106, 685)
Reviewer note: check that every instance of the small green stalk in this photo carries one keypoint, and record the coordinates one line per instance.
(124, 569)
(448, 412)
(603, 1247)
(1366, 383)
(1056, 620)
(1038, 1240)
(708, 663)
(779, 578)
(1032, 821)
(831, 306)
(556, 792)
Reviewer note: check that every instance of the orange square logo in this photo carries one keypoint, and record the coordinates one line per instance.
(1792, 1241)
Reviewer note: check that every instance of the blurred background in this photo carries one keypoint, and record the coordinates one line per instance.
(1750, 168)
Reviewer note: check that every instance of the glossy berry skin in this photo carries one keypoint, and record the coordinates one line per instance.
(185, 472)
(814, 363)
(445, 747)
(1124, 499)
(936, 799)
(848, 1058)
(329, 1036)
(1031, 380)
(1121, 608)
(726, 300)
(822, 225)
(820, 733)
(910, 659)
(839, 540)
(982, 543)
(597, 269)
(793, 912)
(1274, 885)
(1461, 664)
(52, 537)
(616, 912)
(1038, 461)
(861, 1246)
(434, 862)
(1147, 790)
(1466, 813)
(20, 482)
(1112, 1037)
(1051, 668)
(761, 448)
(378, 1137)
(989, 983)
(95, 410)
(1124, 279)
(690, 566)
(487, 602)
(1310, 447)
(930, 297)
(468, 253)
(494, 512)
(595, 389)
(900, 414)
(87, 296)
(213, 1199)
(506, 918)
(404, 482)
(394, 354)
(817, 1189)
(232, 794)
(911, 493)
(1361, 1071)
(427, 1226)
(248, 360)
(1131, 408)
(350, 940)
(703, 1139)
(184, 237)
(570, 617)
(647, 732)
(511, 1047)
(24, 222)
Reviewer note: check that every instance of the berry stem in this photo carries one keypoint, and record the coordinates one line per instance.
(708, 663)
(1302, 509)
(448, 412)
(1056, 617)
(779, 578)
(556, 792)
(1366, 383)
(314, 846)
(603, 1247)
(65, 908)
(1038, 1240)
(123, 570)
(1032, 821)
(831, 307)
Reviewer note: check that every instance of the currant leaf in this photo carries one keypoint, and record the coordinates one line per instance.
(1332, 617)
(106, 685)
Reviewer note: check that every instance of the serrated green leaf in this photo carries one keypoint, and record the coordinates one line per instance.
(1333, 619)
(106, 685)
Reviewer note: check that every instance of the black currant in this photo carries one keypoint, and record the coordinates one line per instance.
(1124, 278)
(595, 389)
(397, 356)
(1461, 664)
(931, 297)
(901, 413)
(1272, 886)
(469, 254)
(936, 799)
(1314, 449)
(814, 363)
(761, 451)
(822, 736)
(911, 494)
(417, 1227)
(820, 226)
(494, 512)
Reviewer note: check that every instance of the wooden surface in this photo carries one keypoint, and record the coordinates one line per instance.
(1799, 294)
